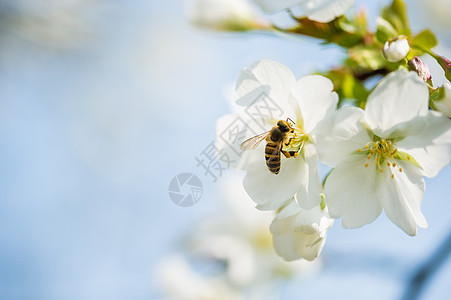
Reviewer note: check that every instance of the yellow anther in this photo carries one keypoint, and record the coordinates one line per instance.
(388, 164)
(392, 176)
(359, 150)
(400, 169)
(366, 165)
(394, 164)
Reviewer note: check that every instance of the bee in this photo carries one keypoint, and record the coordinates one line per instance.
(275, 138)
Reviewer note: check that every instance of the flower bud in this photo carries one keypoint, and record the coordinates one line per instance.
(442, 103)
(299, 233)
(445, 64)
(224, 15)
(396, 49)
(422, 69)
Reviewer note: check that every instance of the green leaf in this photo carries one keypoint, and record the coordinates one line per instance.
(396, 14)
(425, 40)
(385, 30)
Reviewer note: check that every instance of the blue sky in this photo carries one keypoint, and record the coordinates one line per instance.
(90, 137)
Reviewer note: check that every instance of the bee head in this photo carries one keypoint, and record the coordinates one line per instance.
(283, 126)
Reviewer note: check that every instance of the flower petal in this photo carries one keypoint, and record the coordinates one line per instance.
(271, 191)
(340, 135)
(325, 10)
(316, 99)
(403, 196)
(264, 89)
(351, 192)
(309, 193)
(398, 98)
(431, 148)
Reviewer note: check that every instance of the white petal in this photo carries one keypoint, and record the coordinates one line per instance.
(352, 192)
(431, 148)
(316, 99)
(271, 191)
(325, 10)
(399, 97)
(340, 135)
(291, 208)
(276, 5)
(403, 197)
(309, 193)
(264, 90)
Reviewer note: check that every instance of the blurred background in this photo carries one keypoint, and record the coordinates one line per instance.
(103, 102)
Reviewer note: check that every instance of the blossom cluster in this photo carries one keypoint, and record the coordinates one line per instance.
(379, 141)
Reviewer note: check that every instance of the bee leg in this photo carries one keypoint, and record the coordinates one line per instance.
(289, 142)
(294, 154)
(286, 153)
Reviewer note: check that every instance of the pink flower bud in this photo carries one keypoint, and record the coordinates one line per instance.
(445, 64)
(419, 66)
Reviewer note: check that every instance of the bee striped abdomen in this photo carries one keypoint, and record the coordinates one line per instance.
(272, 158)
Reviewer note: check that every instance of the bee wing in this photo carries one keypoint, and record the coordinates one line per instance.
(276, 152)
(253, 142)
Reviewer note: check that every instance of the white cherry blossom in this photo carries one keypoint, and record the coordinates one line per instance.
(317, 10)
(382, 153)
(306, 102)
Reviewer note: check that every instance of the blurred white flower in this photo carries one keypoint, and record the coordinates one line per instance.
(57, 23)
(270, 86)
(317, 10)
(179, 281)
(300, 233)
(443, 104)
(396, 50)
(228, 15)
(381, 154)
(237, 245)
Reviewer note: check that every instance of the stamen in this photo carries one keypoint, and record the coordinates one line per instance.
(383, 152)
